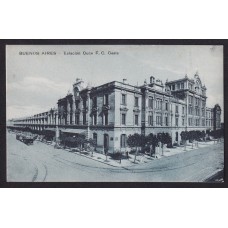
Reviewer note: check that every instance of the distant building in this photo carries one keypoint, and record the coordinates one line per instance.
(111, 112)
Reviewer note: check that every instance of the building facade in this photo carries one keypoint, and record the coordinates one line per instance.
(111, 112)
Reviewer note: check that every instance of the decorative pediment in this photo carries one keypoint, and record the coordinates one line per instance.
(106, 107)
(95, 109)
(125, 109)
(136, 110)
(77, 111)
(85, 109)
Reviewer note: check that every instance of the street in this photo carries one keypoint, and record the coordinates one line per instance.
(43, 163)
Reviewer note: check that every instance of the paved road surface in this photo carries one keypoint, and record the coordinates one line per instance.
(40, 162)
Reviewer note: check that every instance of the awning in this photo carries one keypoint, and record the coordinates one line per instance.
(74, 131)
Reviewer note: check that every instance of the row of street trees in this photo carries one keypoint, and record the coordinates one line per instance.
(199, 135)
(78, 141)
(217, 134)
(192, 136)
(139, 141)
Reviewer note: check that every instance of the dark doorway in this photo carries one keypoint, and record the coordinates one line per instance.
(177, 136)
(106, 142)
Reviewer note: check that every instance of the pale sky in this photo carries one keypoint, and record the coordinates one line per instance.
(36, 82)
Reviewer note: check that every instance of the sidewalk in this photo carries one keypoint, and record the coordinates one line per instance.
(181, 149)
(140, 158)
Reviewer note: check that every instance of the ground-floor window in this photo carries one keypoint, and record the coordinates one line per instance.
(136, 119)
(123, 141)
(106, 142)
(84, 118)
(190, 121)
(76, 118)
(95, 137)
(150, 120)
(197, 122)
(123, 119)
(70, 118)
(166, 120)
(106, 118)
(177, 136)
(158, 120)
(95, 119)
(203, 122)
(176, 123)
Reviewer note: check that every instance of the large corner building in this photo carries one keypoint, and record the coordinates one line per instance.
(109, 113)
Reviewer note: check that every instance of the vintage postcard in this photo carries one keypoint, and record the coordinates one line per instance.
(114, 113)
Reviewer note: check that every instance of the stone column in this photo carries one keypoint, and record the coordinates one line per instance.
(49, 118)
(68, 112)
(88, 118)
(73, 111)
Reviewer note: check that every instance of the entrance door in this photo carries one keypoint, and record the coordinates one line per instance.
(106, 142)
(177, 136)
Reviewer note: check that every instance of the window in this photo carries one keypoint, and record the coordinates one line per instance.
(77, 104)
(158, 120)
(84, 118)
(106, 99)
(203, 122)
(177, 110)
(95, 102)
(203, 103)
(136, 102)
(150, 120)
(95, 137)
(176, 122)
(166, 121)
(76, 118)
(123, 119)
(136, 120)
(159, 104)
(196, 101)
(123, 99)
(197, 111)
(166, 106)
(95, 119)
(203, 112)
(84, 103)
(105, 121)
(123, 141)
(182, 85)
(190, 121)
(190, 99)
(173, 87)
(190, 110)
(182, 109)
(183, 122)
(70, 118)
(178, 85)
(150, 103)
(197, 122)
